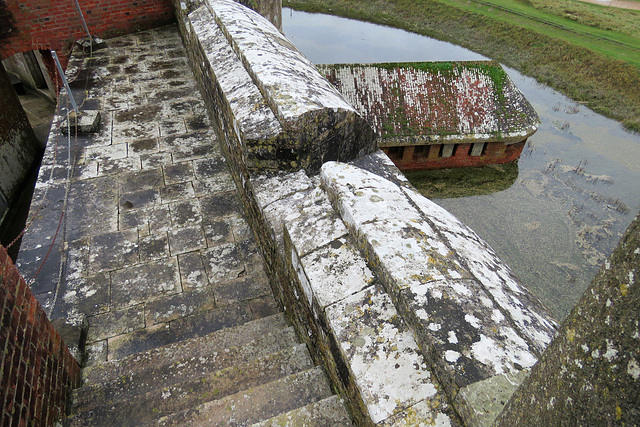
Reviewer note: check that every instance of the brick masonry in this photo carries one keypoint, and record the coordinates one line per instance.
(409, 159)
(37, 372)
(47, 25)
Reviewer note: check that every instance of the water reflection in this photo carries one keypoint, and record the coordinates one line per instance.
(327, 39)
(560, 212)
(464, 182)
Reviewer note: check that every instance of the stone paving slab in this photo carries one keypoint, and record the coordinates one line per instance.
(152, 233)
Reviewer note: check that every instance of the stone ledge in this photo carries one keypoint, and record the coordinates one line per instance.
(477, 347)
(350, 322)
(472, 319)
(283, 114)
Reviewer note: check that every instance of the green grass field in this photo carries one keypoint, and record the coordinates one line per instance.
(589, 52)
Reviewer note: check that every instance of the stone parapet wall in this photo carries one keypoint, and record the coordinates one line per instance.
(413, 317)
(288, 120)
(37, 371)
(340, 307)
(478, 328)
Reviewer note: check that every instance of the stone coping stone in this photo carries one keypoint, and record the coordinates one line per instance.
(280, 70)
(383, 355)
(254, 116)
(272, 104)
(418, 103)
(335, 284)
(473, 319)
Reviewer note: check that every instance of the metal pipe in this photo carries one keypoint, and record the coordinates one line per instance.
(64, 81)
(84, 23)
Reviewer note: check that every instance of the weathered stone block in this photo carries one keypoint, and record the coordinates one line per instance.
(85, 121)
(273, 107)
(333, 272)
(473, 320)
(384, 358)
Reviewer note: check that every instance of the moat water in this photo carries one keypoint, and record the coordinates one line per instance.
(553, 217)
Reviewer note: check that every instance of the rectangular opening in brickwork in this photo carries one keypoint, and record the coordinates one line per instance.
(448, 150)
(420, 152)
(395, 153)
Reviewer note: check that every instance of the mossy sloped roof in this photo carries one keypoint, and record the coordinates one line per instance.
(436, 102)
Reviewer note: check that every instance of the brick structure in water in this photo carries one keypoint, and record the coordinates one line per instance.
(439, 114)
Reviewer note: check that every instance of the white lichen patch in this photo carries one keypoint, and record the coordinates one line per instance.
(633, 369)
(383, 356)
(501, 358)
(451, 356)
(336, 272)
(313, 223)
(611, 352)
(498, 280)
(253, 115)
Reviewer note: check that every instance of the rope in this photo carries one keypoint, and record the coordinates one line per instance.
(63, 221)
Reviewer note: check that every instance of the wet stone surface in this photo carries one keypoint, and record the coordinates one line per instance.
(152, 242)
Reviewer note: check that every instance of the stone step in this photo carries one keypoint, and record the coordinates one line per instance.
(258, 403)
(326, 412)
(149, 372)
(195, 390)
(175, 351)
(196, 325)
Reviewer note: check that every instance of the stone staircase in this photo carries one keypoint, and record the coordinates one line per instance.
(252, 373)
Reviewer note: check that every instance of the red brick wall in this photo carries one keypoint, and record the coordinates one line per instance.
(495, 152)
(56, 24)
(37, 372)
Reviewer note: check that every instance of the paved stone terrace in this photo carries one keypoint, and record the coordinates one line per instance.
(152, 231)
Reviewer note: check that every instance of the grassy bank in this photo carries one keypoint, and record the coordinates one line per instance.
(588, 52)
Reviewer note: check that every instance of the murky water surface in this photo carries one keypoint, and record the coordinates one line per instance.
(576, 185)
